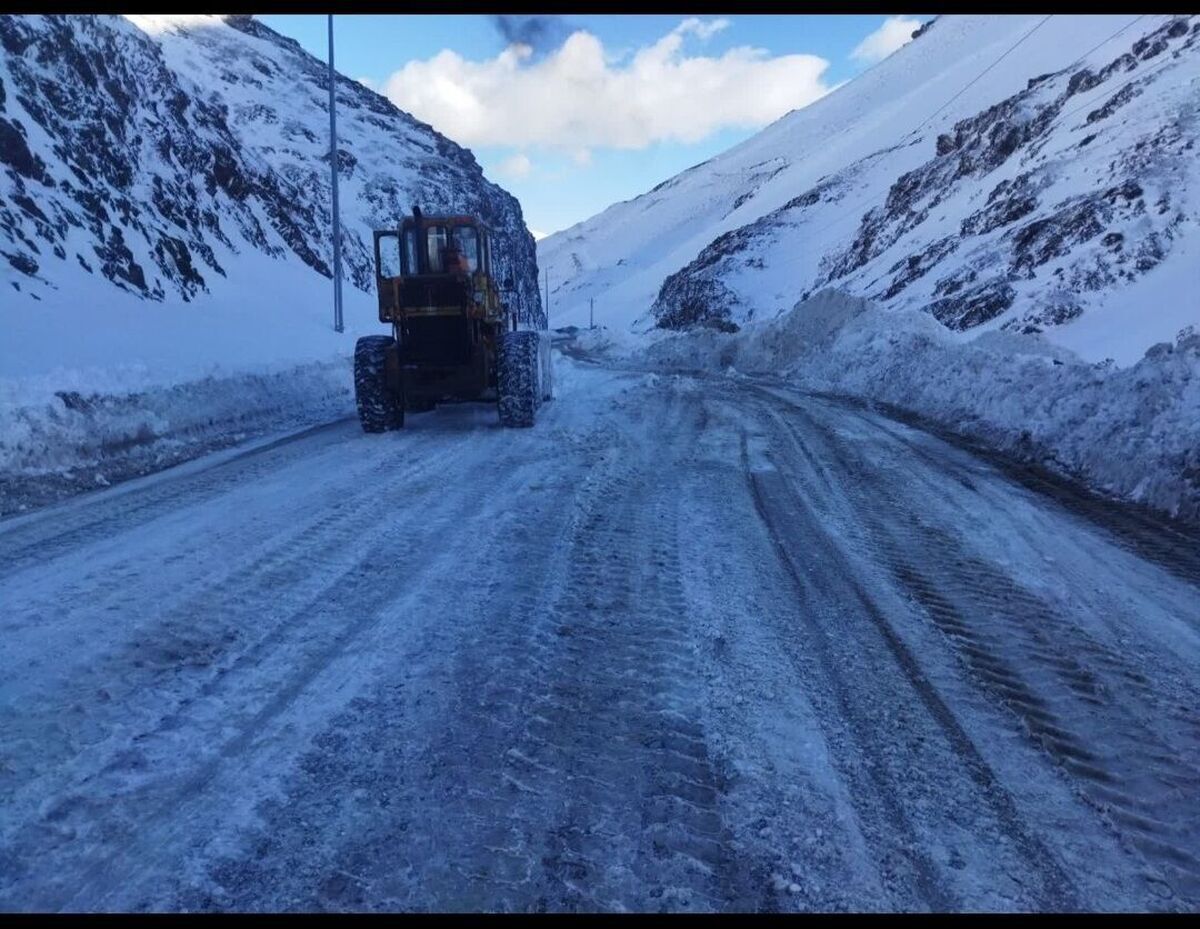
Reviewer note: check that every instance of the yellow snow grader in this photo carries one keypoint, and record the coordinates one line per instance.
(453, 336)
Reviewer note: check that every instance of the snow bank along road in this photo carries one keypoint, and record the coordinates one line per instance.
(686, 644)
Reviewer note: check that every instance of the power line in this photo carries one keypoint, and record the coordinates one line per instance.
(1136, 77)
(1109, 39)
(981, 74)
(853, 212)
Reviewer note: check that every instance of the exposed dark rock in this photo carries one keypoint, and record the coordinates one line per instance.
(688, 302)
(29, 207)
(1008, 202)
(1039, 241)
(1054, 313)
(694, 295)
(953, 283)
(14, 152)
(916, 266)
(176, 252)
(1083, 80)
(346, 162)
(923, 28)
(1114, 103)
(22, 262)
(1178, 28)
(975, 306)
(1150, 47)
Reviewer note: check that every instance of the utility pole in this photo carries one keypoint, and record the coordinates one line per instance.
(547, 297)
(591, 312)
(333, 167)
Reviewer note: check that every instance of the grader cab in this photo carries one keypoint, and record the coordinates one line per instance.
(454, 337)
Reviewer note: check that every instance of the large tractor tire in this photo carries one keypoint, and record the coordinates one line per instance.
(379, 409)
(517, 377)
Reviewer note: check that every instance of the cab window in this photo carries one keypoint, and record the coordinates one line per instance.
(435, 240)
(410, 251)
(388, 255)
(468, 240)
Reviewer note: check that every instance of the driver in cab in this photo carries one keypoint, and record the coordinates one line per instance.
(454, 261)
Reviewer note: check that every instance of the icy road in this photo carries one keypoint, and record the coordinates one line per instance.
(689, 643)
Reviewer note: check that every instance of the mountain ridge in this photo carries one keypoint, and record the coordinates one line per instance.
(808, 202)
(158, 156)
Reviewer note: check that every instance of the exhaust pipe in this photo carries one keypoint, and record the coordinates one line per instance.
(422, 258)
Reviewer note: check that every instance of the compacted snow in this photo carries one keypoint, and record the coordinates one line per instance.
(782, 618)
(690, 643)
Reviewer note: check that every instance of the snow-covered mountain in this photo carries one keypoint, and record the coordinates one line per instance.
(165, 183)
(1024, 172)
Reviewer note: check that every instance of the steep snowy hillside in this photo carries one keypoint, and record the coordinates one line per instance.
(1009, 171)
(165, 195)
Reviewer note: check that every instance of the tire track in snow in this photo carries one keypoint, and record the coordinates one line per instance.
(172, 766)
(883, 800)
(42, 536)
(1062, 685)
(1173, 546)
(170, 658)
(590, 716)
(569, 768)
(791, 814)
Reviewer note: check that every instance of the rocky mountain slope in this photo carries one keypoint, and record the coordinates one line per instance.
(165, 244)
(1027, 173)
(158, 167)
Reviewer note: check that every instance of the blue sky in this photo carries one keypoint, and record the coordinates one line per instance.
(570, 128)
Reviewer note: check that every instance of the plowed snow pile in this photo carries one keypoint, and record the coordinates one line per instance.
(55, 442)
(1131, 432)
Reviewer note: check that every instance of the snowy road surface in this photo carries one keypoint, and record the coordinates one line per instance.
(687, 644)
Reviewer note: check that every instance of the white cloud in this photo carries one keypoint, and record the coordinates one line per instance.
(537, 234)
(704, 30)
(515, 166)
(895, 32)
(579, 97)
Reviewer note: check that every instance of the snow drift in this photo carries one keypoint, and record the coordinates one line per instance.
(56, 442)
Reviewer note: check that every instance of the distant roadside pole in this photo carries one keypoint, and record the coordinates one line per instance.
(333, 169)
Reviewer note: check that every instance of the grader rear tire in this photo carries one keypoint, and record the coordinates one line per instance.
(517, 378)
(379, 409)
